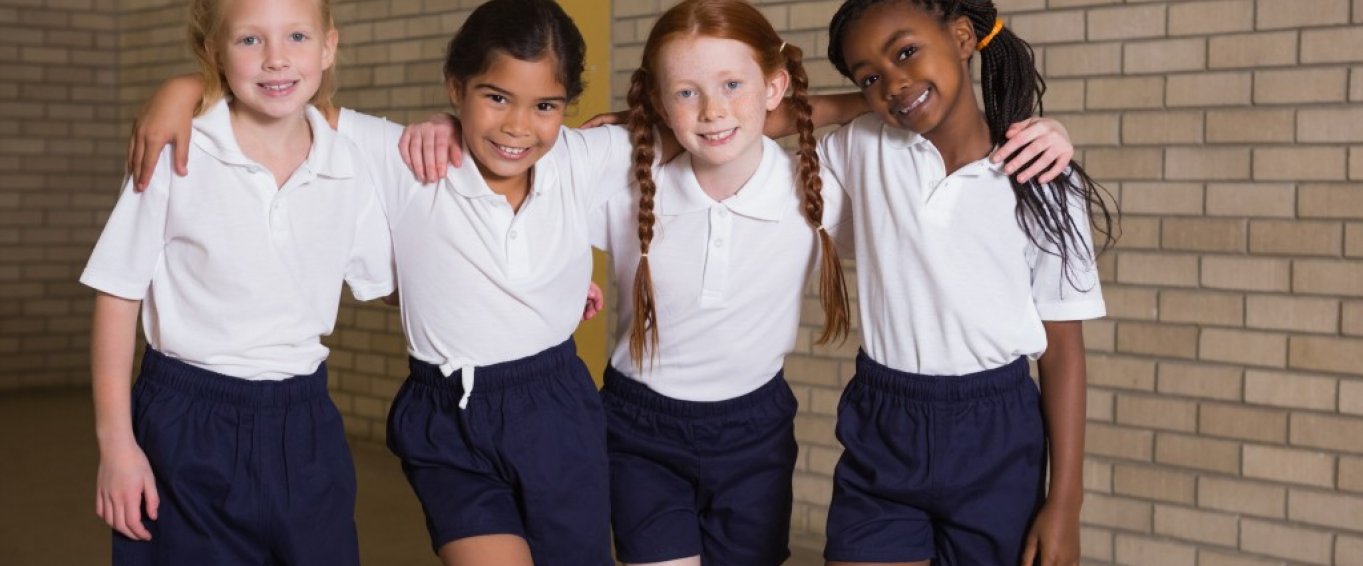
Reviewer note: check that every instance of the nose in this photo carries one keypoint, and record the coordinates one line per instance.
(713, 107)
(276, 57)
(894, 83)
(517, 122)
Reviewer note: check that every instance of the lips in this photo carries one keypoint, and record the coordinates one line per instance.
(510, 152)
(903, 106)
(278, 88)
(720, 137)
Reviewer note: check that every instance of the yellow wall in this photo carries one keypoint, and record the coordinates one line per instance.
(593, 18)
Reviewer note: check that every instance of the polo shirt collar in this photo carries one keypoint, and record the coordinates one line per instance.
(759, 198)
(468, 182)
(903, 138)
(327, 157)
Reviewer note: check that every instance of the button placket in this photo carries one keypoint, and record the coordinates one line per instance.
(716, 270)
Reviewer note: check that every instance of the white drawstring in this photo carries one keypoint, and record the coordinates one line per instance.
(465, 376)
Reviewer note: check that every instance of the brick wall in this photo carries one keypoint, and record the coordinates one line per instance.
(1226, 395)
(59, 158)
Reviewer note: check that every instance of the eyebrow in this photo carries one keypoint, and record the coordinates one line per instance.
(509, 94)
(894, 38)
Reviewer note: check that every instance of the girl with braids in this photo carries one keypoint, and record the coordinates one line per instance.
(963, 275)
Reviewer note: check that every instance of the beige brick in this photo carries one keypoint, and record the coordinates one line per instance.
(1328, 432)
(1118, 442)
(1352, 315)
(1054, 26)
(1252, 199)
(1210, 17)
(1351, 397)
(1138, 268)
(1325, 509)
(1251, 126)
(1243, 347)
(1105, 511)
(1095, 544)
(1157, 339)
(1330, 125)
(1330, 201)
(1209, 89)
(1353, 240)
(1121, 372)
(1286, 465)
(1200, 380)
(1195, 525)
(1161, 127)
(1121, 163)
(1164, 198)
(1139, 550)
(1202, 307)
(1124, 92)
(1130, 302)
(1328, 277)
(1356, 159)
(1126, 23)
(1065, 95)
(1348, 550)
(1300, 163)
(1351, 474)
(1248, 274)
(1201, 234)
(1154, 483)
(1296, 237)
(1252, 50)
(1097, 476)
(1241, 422)
(1084, 59)
(1296, 86)
(1164, 56)
(1155, 412)
(1302, 314)
(1100, 336)
(1332, 45)
(1099, 405)
(1092, 128)
(1139, 233)
(1197, 453)
(1283, 541)
(1274, 14)
(1208, 557)
(1237, 496)
(1207, 163)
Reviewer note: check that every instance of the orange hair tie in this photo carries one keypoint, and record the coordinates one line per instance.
(998, 25)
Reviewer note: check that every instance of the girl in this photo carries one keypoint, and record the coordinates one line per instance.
(229, 440)
(963, 276)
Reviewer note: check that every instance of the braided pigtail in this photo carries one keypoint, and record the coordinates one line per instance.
(832, 285)
(643, 335)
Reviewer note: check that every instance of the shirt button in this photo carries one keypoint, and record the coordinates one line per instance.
(723, 212)
(512, 234)
(719, 243)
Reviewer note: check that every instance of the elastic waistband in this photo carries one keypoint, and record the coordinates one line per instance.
(942, 388)
(636, 393)
(165, 372)
(496, 377)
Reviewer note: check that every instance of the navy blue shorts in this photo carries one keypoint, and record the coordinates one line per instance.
(950, 468)
(248, 472)
(701, 478)
(527, 457)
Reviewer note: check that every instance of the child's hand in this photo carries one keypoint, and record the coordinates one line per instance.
(429, 147)
(1042, 139)
(608, 118)
(595, 301)
(1054, 538)
(166, 119)
(125, 477)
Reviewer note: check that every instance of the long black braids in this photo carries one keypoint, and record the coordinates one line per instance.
(1012, 90)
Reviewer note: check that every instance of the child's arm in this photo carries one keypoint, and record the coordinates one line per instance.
(164, 120)
(1054, 537)
(125, 476)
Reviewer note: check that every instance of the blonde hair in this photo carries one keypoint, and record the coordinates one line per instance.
(205, 40)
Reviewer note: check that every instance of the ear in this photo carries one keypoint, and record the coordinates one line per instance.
(777, 85)
(454, 88)
(329, 48)
(963, 34)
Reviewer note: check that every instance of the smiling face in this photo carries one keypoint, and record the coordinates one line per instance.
(273, 55)
(510, 114)
(715, 98)
(913, 71)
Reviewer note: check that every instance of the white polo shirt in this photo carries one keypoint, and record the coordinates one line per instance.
(948, 283)
(728, 277)
(236, 274)
(481, 283)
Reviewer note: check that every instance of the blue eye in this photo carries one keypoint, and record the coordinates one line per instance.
(732, 85)
(298, 36)
(685, 93)
(249, 40)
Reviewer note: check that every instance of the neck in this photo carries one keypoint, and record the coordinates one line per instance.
(514, 189)
(723, 180)
(963, 135)
(260, 135)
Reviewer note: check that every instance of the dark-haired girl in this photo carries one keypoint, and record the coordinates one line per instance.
(963, 276)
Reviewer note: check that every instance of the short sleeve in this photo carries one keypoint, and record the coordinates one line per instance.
(377, 140)
(833, 162)
(1070, 292)
(133, 242)
(370, 272)
(605, 152)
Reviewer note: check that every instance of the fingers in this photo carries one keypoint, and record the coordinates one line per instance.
(132, 516)
(153, 497)
(428, 158)
(182, 153)
(136, 149)
(595, 301)
(1016, 140)
(597, 120)
(403, 149)
(456, 143)
(1029, 551)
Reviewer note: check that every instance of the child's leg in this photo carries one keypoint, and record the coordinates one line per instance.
(487, 550)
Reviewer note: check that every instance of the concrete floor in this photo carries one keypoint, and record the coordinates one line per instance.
(47, 491)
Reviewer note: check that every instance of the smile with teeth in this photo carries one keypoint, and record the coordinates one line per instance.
(719, 136)
(279, 86)
(509, 150)
(914, 104)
